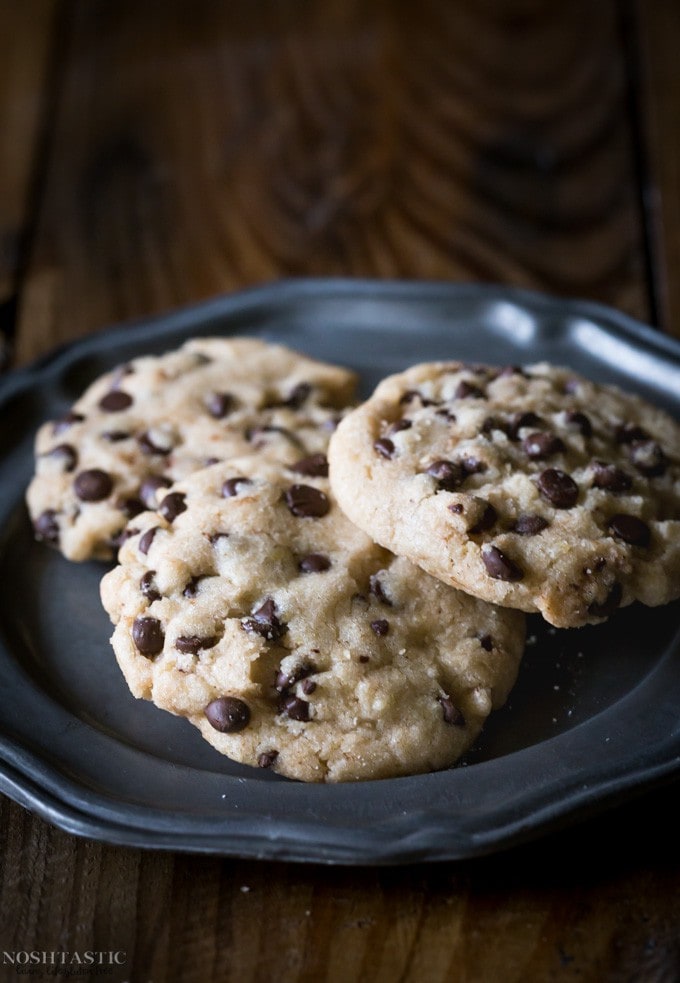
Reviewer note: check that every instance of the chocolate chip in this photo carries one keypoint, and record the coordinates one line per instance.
(315, 466)
(172, 506)
(130, 507)
(492, 423)
(298, 396)
(146, 539)
(486, 520)
(452, 714)
(231, 486)
(294, 707)
(380, 627)
(295, 401)
(267, 758)
(509, 370)
(609, 477)
(115, 436)
(284, 680)
(305, 501)
(626, 433)
(518, 421)
(448, 416)
(499, 566)
(265, 622)
(150, 486)
(115, 401)
(65, 454)
(314, 563)
(122, 536)
(609, 605)
(530, 525)
(648, 458)
(539, 445)
(384, 447)
(558, 488)
(447, 474)
(155, 441)
(364, 658)
(378, 590)
(573, 418)
(191, 588)
(412, 394)
(147, 585)
(486, 641)
(398, 426)
(472, 465)
(93, 485)
(267, 611)
(46, 527)
(192, 644)
(148, 635)
(220, 405)
(228, 715)
(466, 390)
(66, 422)
(456, 508)
(630, 529)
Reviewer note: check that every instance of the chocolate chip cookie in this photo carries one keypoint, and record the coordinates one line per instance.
(533, 488)
(249, 604)
(158, 418)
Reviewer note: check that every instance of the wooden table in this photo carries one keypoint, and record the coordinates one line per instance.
(157, 153)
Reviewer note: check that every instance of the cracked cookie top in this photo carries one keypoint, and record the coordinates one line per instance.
(251, 605)
(533, 487)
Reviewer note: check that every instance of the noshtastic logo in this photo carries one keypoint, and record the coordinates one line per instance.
(58, 962)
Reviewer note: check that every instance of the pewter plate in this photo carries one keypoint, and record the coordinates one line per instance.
(594, 717)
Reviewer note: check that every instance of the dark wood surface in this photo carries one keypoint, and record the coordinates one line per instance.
(155, 154)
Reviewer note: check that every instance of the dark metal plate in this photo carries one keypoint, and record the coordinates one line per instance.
(593, 718)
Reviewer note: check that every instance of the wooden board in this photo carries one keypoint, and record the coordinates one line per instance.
(655, 76)
(26, 38)
(597, 903)
(195, 153)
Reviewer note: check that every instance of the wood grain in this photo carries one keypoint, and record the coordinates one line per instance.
(198, 148)
(598, 903)
(656, 77)
(25, 47)
(191, 154)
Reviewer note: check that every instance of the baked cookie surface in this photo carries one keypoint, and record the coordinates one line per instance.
(249, 604)
(146, 424)
(531, 488)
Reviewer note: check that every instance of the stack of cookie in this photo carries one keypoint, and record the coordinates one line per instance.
(360, 623)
